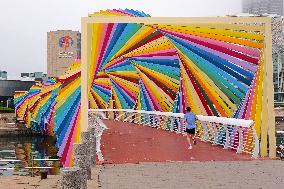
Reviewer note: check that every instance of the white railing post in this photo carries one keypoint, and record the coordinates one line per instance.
(227, 143)
(215, 133)
(179, 127)
(241, 140)
(256, 144)
(205, 133)
(121, 115)
(172, 124)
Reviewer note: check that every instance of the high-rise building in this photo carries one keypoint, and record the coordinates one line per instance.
(263, 6)
(63, 48)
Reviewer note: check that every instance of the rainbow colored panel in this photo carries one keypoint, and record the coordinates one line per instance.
(215, 68)
(53, 108)
(170, 67)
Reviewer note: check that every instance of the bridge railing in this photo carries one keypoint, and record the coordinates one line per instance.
(231, 133)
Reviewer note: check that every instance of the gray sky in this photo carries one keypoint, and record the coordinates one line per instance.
(24, 23)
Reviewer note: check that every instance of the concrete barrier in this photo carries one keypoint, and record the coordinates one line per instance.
(72, 178)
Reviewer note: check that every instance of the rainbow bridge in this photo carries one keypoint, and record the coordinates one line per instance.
(140, 70)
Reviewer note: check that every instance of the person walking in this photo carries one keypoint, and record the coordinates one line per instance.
(190, 118)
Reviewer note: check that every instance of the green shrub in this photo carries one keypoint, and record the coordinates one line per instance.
(6, 110)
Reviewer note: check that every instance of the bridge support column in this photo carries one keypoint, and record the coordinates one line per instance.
(82, 158)
(92, 143)
(86, 139)
(71, 178)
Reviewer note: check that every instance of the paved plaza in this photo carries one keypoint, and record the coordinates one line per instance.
(265, 174)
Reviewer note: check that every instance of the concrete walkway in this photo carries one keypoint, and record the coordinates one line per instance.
(264, 174)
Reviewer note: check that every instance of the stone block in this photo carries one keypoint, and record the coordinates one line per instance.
(72, 178)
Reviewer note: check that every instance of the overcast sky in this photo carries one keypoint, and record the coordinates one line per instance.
(24, 23)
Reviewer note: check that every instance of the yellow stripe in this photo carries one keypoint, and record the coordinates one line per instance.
(231, 33)
(66, 91)
(237, 27)
(233, 40)
(258, 116)
(97, 39)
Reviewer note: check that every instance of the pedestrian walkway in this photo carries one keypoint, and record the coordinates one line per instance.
(131, 143)
(266, 174)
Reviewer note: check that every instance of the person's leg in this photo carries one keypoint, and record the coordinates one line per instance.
(189, 138)
(194, 138)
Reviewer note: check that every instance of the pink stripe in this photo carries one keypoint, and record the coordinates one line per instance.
(69, 153)
(173, 57)
(110, 37)
(172, 50)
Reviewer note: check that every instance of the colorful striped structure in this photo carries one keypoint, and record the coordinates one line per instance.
(53, 108)
(218, 66)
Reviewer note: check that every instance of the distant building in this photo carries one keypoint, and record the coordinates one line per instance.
(63, 48)
(8, 88)
(263, 6)
(3, 75)
(278, 76)
(35, 76)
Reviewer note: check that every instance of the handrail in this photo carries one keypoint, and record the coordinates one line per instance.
(17, 160)
(215, 119)
(32, 167)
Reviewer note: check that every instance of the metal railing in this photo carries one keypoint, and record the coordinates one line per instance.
(231, 133)
(32, 167)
